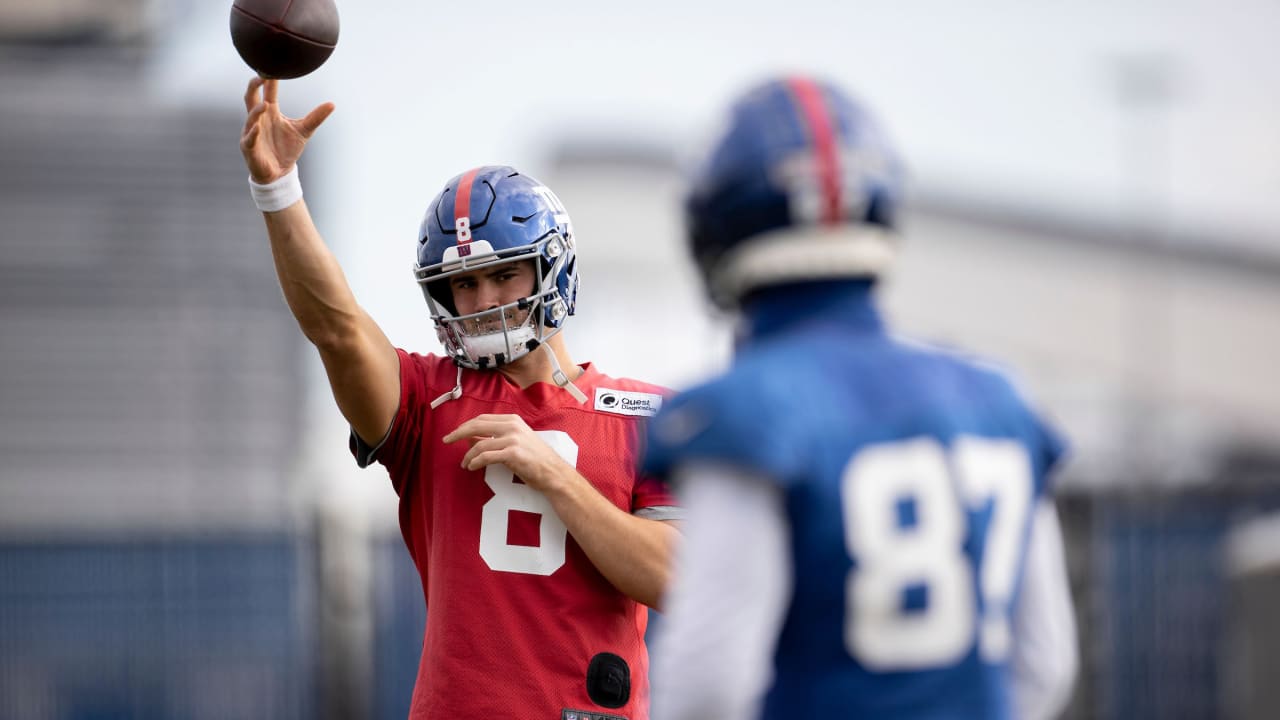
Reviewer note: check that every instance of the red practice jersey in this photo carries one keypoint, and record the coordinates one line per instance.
(515, 609)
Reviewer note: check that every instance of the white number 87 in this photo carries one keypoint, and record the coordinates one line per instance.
(927, 553)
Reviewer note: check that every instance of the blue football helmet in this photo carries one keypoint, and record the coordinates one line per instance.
(486, 216)
(802, 186)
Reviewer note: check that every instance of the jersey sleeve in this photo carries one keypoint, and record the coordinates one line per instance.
(1045, 444)
(1052, 449)
(402, 443)
(652, 499)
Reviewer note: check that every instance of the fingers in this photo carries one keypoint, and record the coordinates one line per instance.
(250, 138)
(308, 124)
(494, 438)
(251, 94)
(270, 95)
(470, 429)
(485, 426)
(251, 121)
(486, 452)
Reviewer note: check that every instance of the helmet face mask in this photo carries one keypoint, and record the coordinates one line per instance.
(489, 217)
(495, 336)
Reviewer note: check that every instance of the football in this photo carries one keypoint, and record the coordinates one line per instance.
(284, 38)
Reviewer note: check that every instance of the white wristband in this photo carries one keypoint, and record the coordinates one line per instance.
(279, 193)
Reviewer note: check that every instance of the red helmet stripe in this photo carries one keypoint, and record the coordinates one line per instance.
(816, 117)
(462, 203)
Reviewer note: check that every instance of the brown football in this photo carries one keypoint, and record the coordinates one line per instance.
(284, 38)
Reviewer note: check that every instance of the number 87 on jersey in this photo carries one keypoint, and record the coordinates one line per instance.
(921, 521)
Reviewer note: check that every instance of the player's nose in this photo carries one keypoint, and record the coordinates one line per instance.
(487, 295)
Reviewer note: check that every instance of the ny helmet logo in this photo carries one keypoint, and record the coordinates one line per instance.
(557, 210)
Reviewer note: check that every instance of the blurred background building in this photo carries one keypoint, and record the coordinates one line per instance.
(182, 531)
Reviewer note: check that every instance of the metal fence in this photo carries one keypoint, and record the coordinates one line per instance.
(175, 628)
(1152, 597)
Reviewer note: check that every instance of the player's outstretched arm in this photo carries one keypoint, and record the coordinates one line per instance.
(633, 553)
(361, 363)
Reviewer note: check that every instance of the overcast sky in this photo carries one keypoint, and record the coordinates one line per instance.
(1029, 103)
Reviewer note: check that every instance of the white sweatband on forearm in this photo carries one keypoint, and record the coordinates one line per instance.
(279, 193)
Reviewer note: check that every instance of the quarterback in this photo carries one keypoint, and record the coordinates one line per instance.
(538, 543)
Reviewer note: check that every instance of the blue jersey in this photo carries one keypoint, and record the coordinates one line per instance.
(909, 477)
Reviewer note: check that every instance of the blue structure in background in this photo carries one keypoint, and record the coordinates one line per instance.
(227, 627)
(1154, 601)
(400, 618)
(166, 628)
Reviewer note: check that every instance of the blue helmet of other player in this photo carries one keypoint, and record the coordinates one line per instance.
(483, 217)
(802, 186)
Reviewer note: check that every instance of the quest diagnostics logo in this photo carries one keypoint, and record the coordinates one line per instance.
(623, 402)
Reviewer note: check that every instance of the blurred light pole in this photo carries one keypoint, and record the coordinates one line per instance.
(1146, 88)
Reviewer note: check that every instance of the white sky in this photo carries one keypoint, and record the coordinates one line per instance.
(1004, 100)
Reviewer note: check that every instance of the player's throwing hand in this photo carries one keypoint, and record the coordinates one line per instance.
(272, 143)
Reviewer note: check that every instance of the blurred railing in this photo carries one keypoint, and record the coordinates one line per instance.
(167, 627)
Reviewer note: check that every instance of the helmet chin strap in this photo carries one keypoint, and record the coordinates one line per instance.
(453, 394)
(561, 379)
(557, 374)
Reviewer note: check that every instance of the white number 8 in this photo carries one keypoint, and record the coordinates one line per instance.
(508, 495)
(927, 552)
(463, 226)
